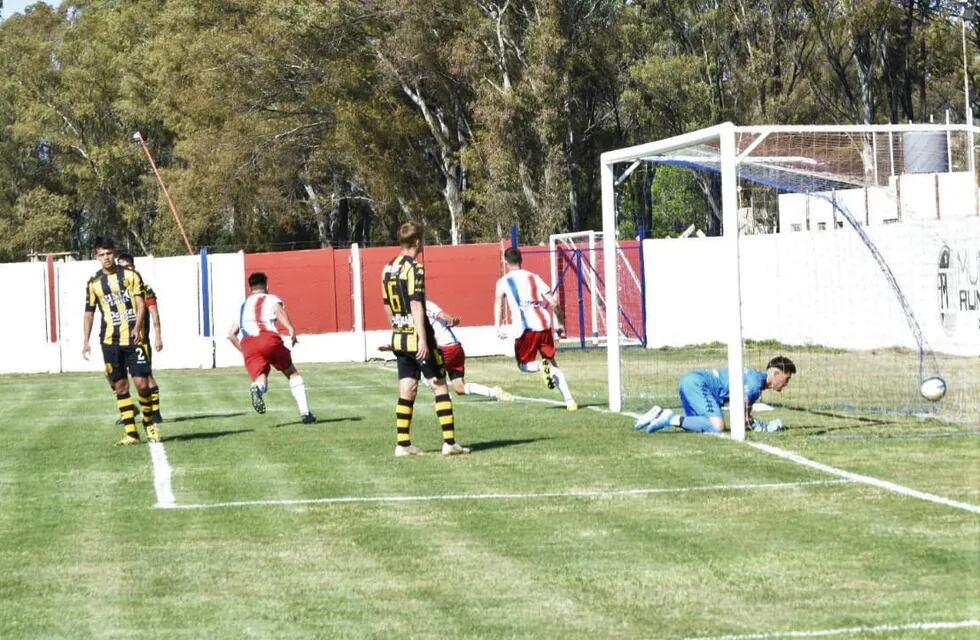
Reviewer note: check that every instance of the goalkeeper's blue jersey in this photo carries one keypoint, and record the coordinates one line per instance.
(716, 381)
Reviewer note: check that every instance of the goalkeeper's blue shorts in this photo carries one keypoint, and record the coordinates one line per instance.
(697, 398)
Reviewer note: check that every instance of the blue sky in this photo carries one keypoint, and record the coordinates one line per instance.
(11, 7)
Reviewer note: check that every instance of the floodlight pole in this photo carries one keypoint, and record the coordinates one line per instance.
(163, 187)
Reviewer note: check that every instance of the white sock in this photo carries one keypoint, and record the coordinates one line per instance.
(530, 367)
(298, 387)
(261, 387)
(479, 389)
(562, 384)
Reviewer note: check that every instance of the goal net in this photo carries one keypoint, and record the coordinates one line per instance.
(855, 251)
(578, 279)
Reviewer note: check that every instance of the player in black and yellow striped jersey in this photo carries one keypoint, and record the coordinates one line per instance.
(414, 345)
(118, 294)
(127, 261)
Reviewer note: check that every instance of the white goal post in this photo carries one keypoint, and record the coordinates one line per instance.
(823, 161)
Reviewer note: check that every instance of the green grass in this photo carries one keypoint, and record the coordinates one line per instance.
(84, 554)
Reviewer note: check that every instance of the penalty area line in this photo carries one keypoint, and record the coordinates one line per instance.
(849, 631)
(162, 472)
(613, 493)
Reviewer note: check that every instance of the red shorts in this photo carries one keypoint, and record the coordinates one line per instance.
(263, 351)
(531, 343)
(455, 360)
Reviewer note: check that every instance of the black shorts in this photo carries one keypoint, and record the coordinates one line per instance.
(122, 358)
(410, 367)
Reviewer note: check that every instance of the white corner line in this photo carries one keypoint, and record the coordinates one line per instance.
(161, 477)
(510, 496)
(847, 631)
(857, 477)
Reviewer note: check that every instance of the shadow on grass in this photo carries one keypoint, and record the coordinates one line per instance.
(205, 435)
(203, 416)
(561, 407)
(299, 423)
(497, 444)
(854, 421)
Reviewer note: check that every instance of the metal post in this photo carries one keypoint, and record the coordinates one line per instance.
(163, 187)
(614, 381)
(730, 233)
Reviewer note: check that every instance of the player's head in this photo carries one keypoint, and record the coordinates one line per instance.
(258, 281)
(410, 235)
(105, 252)
(513, 258)
(778, 372)
(126, 260)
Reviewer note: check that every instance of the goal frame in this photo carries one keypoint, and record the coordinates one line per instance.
(724, 135)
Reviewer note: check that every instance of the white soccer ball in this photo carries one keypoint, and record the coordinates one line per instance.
(933, 389)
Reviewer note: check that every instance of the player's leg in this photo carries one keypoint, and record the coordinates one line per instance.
(298, 388)
(138, 364)
(115, 368)
(702, 413)
(434, 368)
(546, 347)
(155, 399)
(408, 389)
(138, 367)
(258, 367)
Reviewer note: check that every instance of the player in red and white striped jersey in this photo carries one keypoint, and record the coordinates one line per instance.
(530, 302)
(454, 356)
(262, 346)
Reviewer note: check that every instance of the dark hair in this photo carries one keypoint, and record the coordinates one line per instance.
(513, 256)
(409, 233)
(782, 363)
(126, 257)
(258, 279)
(104, 242)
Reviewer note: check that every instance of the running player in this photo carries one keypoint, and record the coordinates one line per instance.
(704, 392)
(414, 345)
(453, 355)
(126, 261)
(530, 304)
(262, 346)
(118, 293)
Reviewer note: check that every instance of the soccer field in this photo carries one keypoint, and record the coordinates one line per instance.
(558, 525)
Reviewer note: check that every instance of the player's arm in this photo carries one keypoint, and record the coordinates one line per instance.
(88, 320)
(140, 314)
(452, 321)
(418, 315)
(233, 336)
(155, 320)
(87, 323)
(284, 321)
(559, 312)
(498, 309)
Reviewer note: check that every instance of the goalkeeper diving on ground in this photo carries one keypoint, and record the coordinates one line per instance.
(704, 392)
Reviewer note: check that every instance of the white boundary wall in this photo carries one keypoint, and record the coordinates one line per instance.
(177, 283)
(820, 288)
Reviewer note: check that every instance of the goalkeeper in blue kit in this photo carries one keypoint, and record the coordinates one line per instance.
(704, 392)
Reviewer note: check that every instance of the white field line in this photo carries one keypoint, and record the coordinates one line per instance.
(510, 496)
(795, 457)
(848, 631)
(161, 477)
(857, 477)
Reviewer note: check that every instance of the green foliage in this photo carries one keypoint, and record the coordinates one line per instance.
(311, 123)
